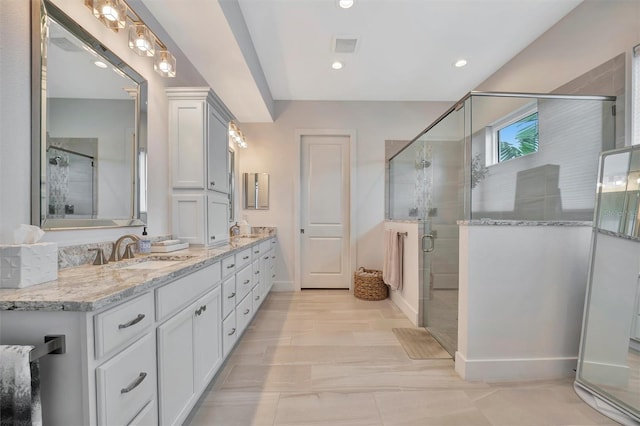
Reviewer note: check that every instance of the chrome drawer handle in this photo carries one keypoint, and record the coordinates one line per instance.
(273, 276)
(134, 384)
(231, 296)
(247, 311)
(233, 331)
(134, 321)
(245, 258)
(247, 282)
(257, 297)
(256, 273)
(256, 252)
(273, 257)
(266, 257)
(231, 266)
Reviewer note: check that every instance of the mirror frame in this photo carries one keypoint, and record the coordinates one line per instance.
(40, 11)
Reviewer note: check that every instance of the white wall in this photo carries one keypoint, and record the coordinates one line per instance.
(272, 150)
(521, 300)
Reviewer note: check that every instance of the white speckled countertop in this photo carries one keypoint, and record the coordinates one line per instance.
(91, 287)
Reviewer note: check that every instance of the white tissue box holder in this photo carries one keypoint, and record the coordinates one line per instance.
(24, 265)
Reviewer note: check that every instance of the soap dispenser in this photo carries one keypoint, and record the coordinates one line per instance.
(234, 232)
(144, 244)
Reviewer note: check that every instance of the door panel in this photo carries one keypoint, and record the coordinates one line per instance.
(325, 211)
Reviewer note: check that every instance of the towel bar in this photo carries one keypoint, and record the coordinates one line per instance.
(53, 344)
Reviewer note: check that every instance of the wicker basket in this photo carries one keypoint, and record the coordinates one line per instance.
(368, 285)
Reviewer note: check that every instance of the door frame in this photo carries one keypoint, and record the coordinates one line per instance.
(299, 134)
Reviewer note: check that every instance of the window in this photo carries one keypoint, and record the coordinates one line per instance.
(513, 136)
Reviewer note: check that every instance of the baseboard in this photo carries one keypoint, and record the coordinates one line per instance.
(514, 369)
(411, 313)
(283, 286)
(606, 374)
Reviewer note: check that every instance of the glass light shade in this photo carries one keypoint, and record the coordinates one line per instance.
(112, 13)
(141, 40)
(165, 64)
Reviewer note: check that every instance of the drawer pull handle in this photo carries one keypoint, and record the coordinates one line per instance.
(134, 321)
(134, 384)
(201, 310)
(232, 295)
(266, 257)
(247, 281)
(257, 297)
(247, 311)
(273, 276)
(233, 331)
(257, 272)
(231, 266)
(256, 252)
(198, 311)
(273, 257)
(245, 258)
(213, 237)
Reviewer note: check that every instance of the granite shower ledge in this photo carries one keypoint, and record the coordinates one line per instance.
(91, 288)
(493, 222)
(618, 234)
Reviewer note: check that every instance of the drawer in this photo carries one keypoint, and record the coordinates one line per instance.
(256, 296)
(243, 258)
(228, 295)
(255, 251)
(265, 246)
(127, 383)
(176, 295)
(244, 283)
(228, 265)
(119, 326)
(229, 334)
(255, 273)
(244, 313)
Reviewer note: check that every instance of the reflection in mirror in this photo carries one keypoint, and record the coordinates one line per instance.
(256, 191)
(609, 363)
(91, 120)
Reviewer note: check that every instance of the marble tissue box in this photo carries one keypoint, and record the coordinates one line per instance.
(24, 265)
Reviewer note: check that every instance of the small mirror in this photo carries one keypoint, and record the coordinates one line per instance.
(256, 191)
(89, 120)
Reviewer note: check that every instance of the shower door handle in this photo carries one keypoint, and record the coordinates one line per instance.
(432, 244)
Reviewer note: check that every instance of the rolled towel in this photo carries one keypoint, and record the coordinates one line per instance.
(19, 387)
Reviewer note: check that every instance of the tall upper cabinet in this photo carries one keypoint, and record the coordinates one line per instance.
(198, 137)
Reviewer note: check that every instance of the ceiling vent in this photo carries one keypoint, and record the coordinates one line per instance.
(65, 44)
(345, 44)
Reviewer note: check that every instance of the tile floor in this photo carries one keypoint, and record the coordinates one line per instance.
(326, 358)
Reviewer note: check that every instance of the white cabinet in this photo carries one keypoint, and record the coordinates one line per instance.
(198, 137)
(208, 337)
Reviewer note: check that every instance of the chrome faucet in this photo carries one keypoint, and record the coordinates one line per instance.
(128, 252)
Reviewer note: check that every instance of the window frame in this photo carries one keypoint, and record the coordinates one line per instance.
(492, 143)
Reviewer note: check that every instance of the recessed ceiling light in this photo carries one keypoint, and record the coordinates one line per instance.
(460, 63)
(345, 4)
(99, 64)
(337, 65)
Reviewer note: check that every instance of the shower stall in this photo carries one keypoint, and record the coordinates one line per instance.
(494, 157)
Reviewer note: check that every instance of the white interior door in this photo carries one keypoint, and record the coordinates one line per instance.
(324, 244)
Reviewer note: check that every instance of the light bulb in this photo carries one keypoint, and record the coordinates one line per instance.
(110, 13)
(345, 4)
(460, 63)
(337, 65)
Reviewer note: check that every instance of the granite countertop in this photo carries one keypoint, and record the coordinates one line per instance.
(495, 222)
(91, 287)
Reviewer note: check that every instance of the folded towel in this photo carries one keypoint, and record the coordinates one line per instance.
(392, 268)
(19, 387)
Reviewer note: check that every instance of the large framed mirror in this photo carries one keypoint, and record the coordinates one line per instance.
(88, 129)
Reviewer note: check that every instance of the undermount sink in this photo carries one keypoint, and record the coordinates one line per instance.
(152, 262)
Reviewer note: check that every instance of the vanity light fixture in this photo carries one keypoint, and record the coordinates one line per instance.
(237, 136)
(141, 40)
(116, 15)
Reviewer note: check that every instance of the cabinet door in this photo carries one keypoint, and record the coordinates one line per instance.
(176, 384)
(218, 150)
(188, 218)
(208, 337)
(186, 138)
(217, 218)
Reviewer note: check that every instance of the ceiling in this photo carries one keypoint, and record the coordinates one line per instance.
(252, 52)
